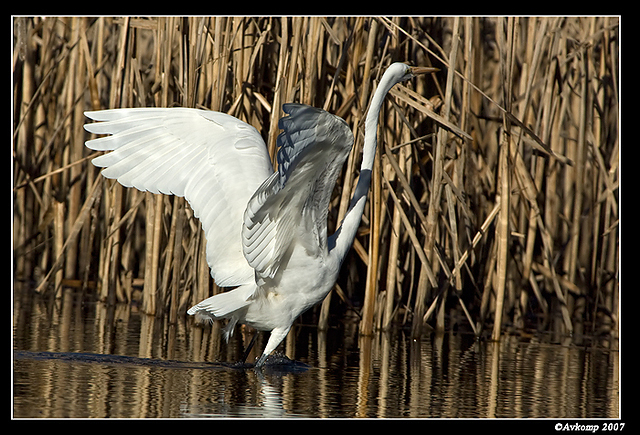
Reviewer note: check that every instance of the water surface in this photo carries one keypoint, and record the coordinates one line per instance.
(83, 360)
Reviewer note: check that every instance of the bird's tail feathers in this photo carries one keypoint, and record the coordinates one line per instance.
(223, 305)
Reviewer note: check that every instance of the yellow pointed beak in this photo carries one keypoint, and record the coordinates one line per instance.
(415, 70)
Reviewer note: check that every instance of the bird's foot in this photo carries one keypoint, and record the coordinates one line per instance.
(279, 362)
(260, 362)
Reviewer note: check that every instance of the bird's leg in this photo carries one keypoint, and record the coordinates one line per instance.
(276, 337)
(261, 360)
(249, 347)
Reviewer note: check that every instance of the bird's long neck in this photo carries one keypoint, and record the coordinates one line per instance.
(343, 238)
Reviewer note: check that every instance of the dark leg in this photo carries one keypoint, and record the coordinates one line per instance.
(248, 349)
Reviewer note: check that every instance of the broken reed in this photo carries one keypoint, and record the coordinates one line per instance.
(495, 191)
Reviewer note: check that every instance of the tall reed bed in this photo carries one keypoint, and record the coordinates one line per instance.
(496, 189)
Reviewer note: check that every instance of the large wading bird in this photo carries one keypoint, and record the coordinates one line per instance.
(266, 230)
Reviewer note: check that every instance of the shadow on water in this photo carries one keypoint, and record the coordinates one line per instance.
(276, 364)
(78, 359)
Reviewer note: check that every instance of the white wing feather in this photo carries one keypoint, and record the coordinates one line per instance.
(221, 166)
(212, 159)
(291, 205)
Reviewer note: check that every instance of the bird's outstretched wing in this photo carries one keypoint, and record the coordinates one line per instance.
(291, 205)
(212, 159)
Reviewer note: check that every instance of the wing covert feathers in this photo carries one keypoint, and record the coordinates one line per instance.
(291, 205)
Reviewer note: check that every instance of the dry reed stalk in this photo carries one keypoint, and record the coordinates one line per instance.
(59, 243)
(348, 178)
(504, 175)
(534, 50)
(393, 266)
(371, 283)
(502, 237)
(93, 197)
(436, 189)
(177, 257)
(557, 79)
(371, 287)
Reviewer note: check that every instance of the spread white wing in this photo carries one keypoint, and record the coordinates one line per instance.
(252, 217)
(212, 159)
(291, 205)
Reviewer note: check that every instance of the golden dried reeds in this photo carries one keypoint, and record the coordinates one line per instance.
(495, 191)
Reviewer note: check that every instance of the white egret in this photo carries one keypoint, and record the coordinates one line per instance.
(266, 231)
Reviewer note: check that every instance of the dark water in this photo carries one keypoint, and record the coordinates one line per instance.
(80, 360)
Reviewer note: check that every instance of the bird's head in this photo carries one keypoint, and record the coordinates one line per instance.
(402, 71)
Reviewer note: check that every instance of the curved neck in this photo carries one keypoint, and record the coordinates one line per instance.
(341, 241)
(371, 126)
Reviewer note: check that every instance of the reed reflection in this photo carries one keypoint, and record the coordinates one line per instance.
(384, 375)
